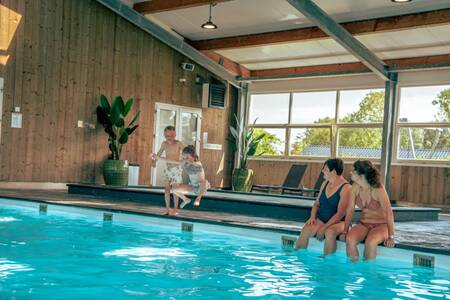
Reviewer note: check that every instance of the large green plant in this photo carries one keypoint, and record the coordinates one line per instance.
(249, 141)
(112, 117)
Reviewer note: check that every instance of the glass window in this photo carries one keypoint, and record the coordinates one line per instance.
(310, 142)
(273, 143)
(269, 109)
(314, 107)
(359, 142)
(361, 106)
(425, 104)
(424, 143)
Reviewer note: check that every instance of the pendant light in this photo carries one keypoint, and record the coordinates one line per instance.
(209, 24)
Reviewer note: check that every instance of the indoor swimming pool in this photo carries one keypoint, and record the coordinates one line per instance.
(72, 253)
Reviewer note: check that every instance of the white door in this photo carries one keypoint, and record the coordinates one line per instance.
(187, 123)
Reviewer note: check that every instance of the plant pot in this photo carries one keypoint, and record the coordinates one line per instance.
(115, 172)
(242, 180)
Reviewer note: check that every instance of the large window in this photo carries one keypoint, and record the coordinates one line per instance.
(423, 125)
(320, 124)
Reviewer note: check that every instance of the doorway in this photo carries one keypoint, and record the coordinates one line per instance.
(187, 123)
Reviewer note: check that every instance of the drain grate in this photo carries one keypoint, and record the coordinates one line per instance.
(43, 208)
(188, 227)
(423, 260)
(288, 241)
(107, 216)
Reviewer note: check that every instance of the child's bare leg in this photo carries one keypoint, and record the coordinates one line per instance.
(203, 189)
(167, 197)
(175, 200)
(181, 191)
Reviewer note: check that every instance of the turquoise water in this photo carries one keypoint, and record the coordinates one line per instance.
(68, 255)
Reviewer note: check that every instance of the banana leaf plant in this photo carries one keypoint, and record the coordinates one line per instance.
(112, 117)
(243, 140)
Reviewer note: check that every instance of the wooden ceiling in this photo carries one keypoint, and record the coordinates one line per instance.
(213, 48)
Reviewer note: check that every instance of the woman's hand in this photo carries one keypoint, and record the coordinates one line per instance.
(154, 156)
(389, 242)
(320, 235)
(311, 221)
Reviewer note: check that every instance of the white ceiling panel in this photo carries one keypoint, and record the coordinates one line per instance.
(240, 17)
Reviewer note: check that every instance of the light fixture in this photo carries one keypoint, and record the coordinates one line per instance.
(209, 24)
(401, 1)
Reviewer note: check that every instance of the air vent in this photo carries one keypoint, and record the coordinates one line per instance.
(288, 241)
(43, 208)
(217, 95)
(107, 216)
(187, 227)
(423, 260)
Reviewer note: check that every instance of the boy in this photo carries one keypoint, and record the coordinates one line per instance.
(172, 172)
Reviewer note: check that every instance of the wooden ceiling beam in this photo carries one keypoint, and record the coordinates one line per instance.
(232, 67)
(386, 24)
(156, 6)
(423, 62)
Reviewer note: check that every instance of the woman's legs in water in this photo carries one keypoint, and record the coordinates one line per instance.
(307, 232)
(330, 238)
(376, 236)
(354, 237)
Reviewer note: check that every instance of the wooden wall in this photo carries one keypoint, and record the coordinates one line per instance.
(419, 185)
(61, 55)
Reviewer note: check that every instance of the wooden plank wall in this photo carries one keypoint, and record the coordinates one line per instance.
(416, 184)
(62, 54)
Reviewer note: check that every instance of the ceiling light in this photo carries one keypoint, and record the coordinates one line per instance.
(209, 24)
(401, 1)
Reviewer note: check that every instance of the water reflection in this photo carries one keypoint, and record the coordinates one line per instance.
(148, 253)
(8, 267)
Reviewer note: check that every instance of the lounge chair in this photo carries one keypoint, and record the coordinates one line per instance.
(291, 182)
(312, 192)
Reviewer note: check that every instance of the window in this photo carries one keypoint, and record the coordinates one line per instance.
(262, 109)
(423, 124)
(307, 125)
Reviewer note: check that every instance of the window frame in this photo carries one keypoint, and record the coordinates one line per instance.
(334, 128)
(422, 125)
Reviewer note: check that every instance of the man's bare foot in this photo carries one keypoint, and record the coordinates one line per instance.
(184, 202)
(197, 201)
(175, 213)
(166, 213)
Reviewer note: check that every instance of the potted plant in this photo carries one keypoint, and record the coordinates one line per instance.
(112, 117)
(245, 142)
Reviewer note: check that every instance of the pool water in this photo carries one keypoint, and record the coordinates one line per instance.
(72, 254)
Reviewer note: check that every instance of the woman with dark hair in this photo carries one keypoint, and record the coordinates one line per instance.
(328, 210)
(376, 224)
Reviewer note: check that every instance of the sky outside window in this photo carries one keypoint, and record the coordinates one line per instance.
(309, 108)
(269, 109)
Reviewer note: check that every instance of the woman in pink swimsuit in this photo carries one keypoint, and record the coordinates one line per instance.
(376, 224)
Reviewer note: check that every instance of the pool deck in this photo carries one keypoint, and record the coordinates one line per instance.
(430, 236)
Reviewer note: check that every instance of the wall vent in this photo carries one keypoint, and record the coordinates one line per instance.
(187, 227)
(288, 241)
(107, 216)
(423, 260)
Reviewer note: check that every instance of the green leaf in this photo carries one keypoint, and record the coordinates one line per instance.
(118, 104)
(135, 118)
(115, 115)
(105, 104)
(234, 133)
(132, 129)
(123, 137)
(127, 107)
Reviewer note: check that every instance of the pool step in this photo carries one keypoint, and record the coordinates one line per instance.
(187, 227)
(423, 260)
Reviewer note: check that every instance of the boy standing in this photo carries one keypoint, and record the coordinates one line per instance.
(172, 172)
